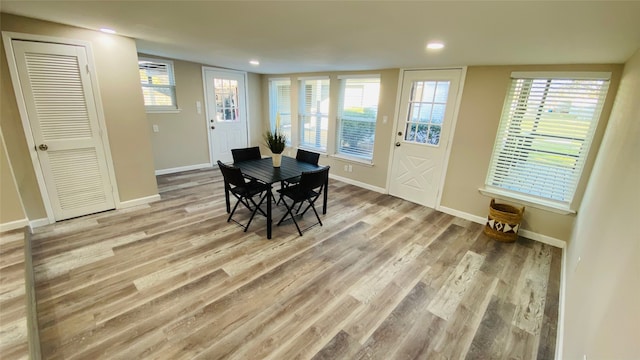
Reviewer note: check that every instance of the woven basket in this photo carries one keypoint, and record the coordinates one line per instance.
(503, 222)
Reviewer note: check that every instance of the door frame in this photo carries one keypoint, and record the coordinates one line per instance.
(456, 109)
(207, 110)
(7, 38)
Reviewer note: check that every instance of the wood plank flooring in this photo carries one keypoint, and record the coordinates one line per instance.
(14, 342)
(382, 279)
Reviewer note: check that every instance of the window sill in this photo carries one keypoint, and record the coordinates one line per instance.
(352, 159)
(528, 200)
(159, 111)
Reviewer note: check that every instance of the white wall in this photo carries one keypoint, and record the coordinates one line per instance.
(602, 304)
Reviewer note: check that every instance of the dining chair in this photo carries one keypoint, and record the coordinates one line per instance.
(302, 155)
(308, 189)
(244, 154)
(244, 191)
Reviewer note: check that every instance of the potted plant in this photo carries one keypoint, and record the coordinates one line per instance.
(276, 142)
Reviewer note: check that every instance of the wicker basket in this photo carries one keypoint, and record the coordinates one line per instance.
(503, 222)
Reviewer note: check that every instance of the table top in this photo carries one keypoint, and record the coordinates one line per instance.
(263, 169)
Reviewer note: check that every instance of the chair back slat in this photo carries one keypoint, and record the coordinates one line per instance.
(232, 175)
(307, 156)
(244, 154)
(311, 180)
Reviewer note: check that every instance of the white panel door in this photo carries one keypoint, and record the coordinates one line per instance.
(226, 112)
(62, 114)
(424, 118)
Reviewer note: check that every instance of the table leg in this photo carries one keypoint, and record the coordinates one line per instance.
(269, 196)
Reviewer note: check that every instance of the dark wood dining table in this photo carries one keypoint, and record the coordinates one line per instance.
(263, 170)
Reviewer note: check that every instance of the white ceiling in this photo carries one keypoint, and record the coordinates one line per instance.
(310, 36)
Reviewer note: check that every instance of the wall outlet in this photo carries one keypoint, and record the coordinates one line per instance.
(156, 128)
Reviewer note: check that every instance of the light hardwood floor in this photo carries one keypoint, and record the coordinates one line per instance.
(382, 279)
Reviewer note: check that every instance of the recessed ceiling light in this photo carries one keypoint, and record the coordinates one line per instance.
(435, 45)
(254, 62)
(108, 31)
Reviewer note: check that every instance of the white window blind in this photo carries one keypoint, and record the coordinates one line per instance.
(314, 113)
(545, 132)
(158, 84)
(357, 114)
(280, 106)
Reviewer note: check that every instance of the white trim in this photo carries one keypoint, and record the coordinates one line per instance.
(581, 75)
(561, 305)
(139, 201)
(182, 168)
(39, 222)
(207, 111)
(525, 233)
(12, 225)
(353, 159)
(359, 76)
(321, 77)
(445, 163)
(358, 183)
(454, 122)
(535, 202)
(8, 37)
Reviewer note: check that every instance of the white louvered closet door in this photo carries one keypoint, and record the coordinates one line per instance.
(62, 113)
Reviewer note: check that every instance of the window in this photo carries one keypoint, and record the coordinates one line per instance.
(158, 84)
(280, 106)
(314, 113)
(426, 112)
(227, 105)
(545, 131)
(357, 114)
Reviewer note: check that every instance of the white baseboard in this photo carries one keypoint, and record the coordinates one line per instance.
(563, 285)
(182, 168)
(139, 201)
(358, 183)
(12, 225)
(39, 222)
(526, 233)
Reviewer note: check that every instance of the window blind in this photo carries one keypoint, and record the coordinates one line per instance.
(314, 113)
(158, 84)
(280, 106)
(357, 114)
(545, 132)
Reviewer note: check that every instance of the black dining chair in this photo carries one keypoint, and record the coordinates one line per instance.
(302, 155)
(244, 154)
(244, 191)
(308, 189)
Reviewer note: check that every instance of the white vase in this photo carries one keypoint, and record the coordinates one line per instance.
(277, 159)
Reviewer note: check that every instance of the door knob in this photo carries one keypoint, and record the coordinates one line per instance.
(398, 143)
(43, 147)
(399, 133)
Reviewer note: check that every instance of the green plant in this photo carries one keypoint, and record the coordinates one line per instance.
(275, 141)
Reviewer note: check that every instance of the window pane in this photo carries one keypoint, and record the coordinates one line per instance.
(158, 85)
(427, 106)
(280, 106)
(357, 116)
(314, 116)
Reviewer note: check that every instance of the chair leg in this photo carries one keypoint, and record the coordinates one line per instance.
(255, 210)
(290, 213)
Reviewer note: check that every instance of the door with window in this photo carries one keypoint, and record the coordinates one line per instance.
(60, 103)
(226, 108)
(424, 123)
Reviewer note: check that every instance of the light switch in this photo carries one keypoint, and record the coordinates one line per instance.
(199, 107)
(385, 118)
(156, 128)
